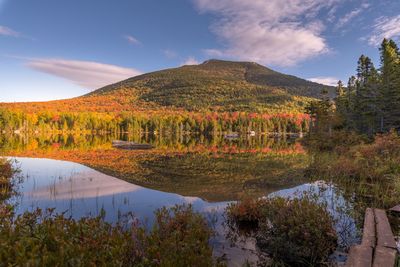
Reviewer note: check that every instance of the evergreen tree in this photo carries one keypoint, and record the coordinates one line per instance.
(366, 95)
(341, 100)
(351, 105)
(390, 88)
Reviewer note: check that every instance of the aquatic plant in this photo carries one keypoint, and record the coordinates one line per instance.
(370, 170)
(295, 232)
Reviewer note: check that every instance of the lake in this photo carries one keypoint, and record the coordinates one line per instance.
(85, 176)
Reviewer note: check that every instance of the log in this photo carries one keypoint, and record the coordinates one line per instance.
(384, 257)
(378, 246)
(385, 237)
(360, 256)
(130, 145)
(369, 235)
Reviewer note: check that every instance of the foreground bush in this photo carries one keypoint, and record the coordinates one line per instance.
(298, 232)
(179, 237)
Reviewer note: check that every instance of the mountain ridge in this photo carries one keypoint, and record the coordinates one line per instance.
(214, 85)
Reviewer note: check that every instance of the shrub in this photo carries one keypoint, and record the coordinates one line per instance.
(370, 170)
(337, 141)
(179, 238)
(374, 161)
(298, 232)
(6, 174)
(248, 211)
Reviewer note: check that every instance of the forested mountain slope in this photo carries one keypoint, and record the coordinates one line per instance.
(214, 85)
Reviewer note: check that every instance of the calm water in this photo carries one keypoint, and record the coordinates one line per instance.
(206, 173)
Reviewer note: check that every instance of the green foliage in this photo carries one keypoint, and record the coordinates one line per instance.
(372, 99)
(221, 86)
(179, 237)
(322, 116)
(210, 123)
(296, 232)
(338, 140)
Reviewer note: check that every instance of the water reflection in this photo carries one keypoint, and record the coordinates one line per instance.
(82, 175)
(259, 143)
(81, 191)
(212, 168)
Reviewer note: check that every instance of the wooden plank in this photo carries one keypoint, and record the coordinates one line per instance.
(360, 256)
(384, 232)
(395, 209)
(369, 235)
(384, 257)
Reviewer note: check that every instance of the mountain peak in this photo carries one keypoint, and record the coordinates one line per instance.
(214, 85)
(221, 84)
(221, 61)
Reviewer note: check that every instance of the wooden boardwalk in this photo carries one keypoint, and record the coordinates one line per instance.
(378, 247)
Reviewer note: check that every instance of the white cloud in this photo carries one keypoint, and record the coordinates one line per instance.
(332, 81)
(270, 32)
(351, 15)
(88, 74)
(8, 32)
(190, 61)
(384, 27)
(132, 40)
(169, 53)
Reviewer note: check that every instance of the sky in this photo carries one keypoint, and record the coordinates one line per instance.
(65, 48)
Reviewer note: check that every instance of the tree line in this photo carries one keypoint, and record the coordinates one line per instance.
(127, 122)
(369, 104)
(371, 101)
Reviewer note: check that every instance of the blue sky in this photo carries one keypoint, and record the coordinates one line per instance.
(59, 49)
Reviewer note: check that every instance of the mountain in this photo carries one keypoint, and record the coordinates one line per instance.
(213, 85)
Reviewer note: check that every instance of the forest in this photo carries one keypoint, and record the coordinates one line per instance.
(127, 122)
(370, 103)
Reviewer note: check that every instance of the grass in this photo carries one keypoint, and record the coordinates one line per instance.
(179, 237)
(294, 232)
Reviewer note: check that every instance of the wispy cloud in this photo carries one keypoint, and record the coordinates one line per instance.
(8, 32)
(384, 27)
(331, 81)
(270, 32)
(351, 15)
(191, 61)
(169, 53)
(132, 40)
(88, 74)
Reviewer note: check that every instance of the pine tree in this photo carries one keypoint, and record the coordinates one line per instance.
(366, 94)
(390, 90)
(351, 103)
(341, 101)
